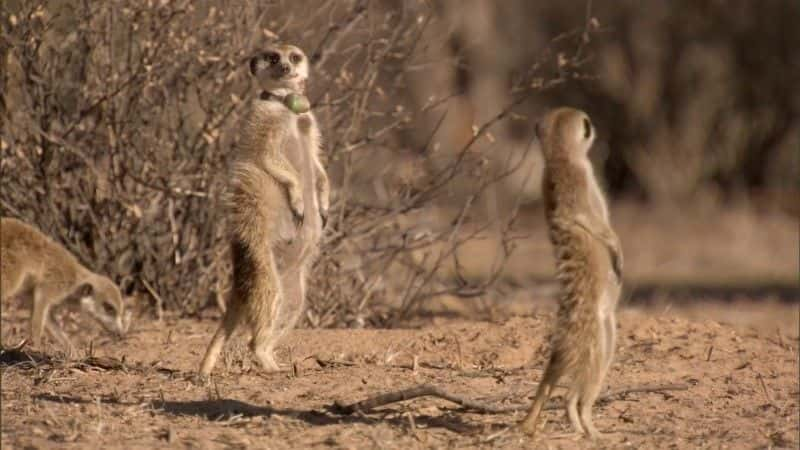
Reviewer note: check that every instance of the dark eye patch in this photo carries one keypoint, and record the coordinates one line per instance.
(108, 309)
(295, 58)
(587, 128)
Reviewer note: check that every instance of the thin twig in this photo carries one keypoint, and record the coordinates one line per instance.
(14, 355)
(424, 390)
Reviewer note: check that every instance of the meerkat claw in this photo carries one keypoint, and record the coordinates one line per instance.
(324, 216)
(299, 218)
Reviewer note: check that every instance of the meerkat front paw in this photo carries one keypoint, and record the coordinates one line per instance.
(323, 214)
(617, 263)
(324, 193)
(299, 217)
(298, 208)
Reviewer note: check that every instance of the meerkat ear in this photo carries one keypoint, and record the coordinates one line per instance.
(587, 128)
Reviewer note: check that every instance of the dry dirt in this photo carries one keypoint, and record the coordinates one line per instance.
(736, 354)
(741, 386)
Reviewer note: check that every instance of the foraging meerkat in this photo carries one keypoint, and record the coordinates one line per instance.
(278, 198)
(588, 266)
(32, 263)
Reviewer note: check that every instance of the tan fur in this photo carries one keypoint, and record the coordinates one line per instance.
(277, 202)
(33, 264)
(588, 266)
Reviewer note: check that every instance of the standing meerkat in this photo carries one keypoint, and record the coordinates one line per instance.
(588, 267)
(32, 263)
(278, 198)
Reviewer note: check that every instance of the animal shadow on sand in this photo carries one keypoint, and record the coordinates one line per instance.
(223, 409)
(220, 410)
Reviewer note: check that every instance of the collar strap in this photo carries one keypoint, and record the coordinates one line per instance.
(267, 95)
(297, 103)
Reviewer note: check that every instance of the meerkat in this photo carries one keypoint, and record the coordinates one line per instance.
(278, 199)
(588, 267)
(32, 264)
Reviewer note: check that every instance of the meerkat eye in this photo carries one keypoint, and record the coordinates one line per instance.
(295, 58)
(273, 58)
(587, 128)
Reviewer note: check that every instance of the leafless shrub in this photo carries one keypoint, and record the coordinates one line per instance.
(119, 116)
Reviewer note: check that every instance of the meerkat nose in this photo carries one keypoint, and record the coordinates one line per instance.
(284, 69)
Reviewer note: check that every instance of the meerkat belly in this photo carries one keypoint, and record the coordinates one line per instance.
(289, 252)
(302, 160)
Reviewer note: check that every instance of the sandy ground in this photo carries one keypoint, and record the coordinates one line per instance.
(732, 351)
(740, 379)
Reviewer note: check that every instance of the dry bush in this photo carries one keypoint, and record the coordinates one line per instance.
(119, 116)
(116, 112)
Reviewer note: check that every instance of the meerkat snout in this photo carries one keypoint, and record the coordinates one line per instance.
(281, 70)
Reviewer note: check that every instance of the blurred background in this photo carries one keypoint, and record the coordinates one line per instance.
(118, 118)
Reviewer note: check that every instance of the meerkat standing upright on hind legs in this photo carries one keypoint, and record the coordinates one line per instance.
(33, 264)
(588, 267)
(278, 198)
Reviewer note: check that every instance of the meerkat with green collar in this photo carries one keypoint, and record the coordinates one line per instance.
(277, 205)
(32, 264)
(588, 267)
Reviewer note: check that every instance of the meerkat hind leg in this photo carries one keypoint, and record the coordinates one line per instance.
(290, 309)
(224, 332)
(610, 339)
(266, 334)
(587, 398)
(39, 314)
(572, 411)
(287, 313)
(531, 422)
(263, 346)
(593, 377)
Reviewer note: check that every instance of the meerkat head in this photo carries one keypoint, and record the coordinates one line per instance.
(103, 300)
(281, 69)
(565, 132)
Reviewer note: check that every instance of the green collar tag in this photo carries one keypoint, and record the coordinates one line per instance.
(297, 103)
